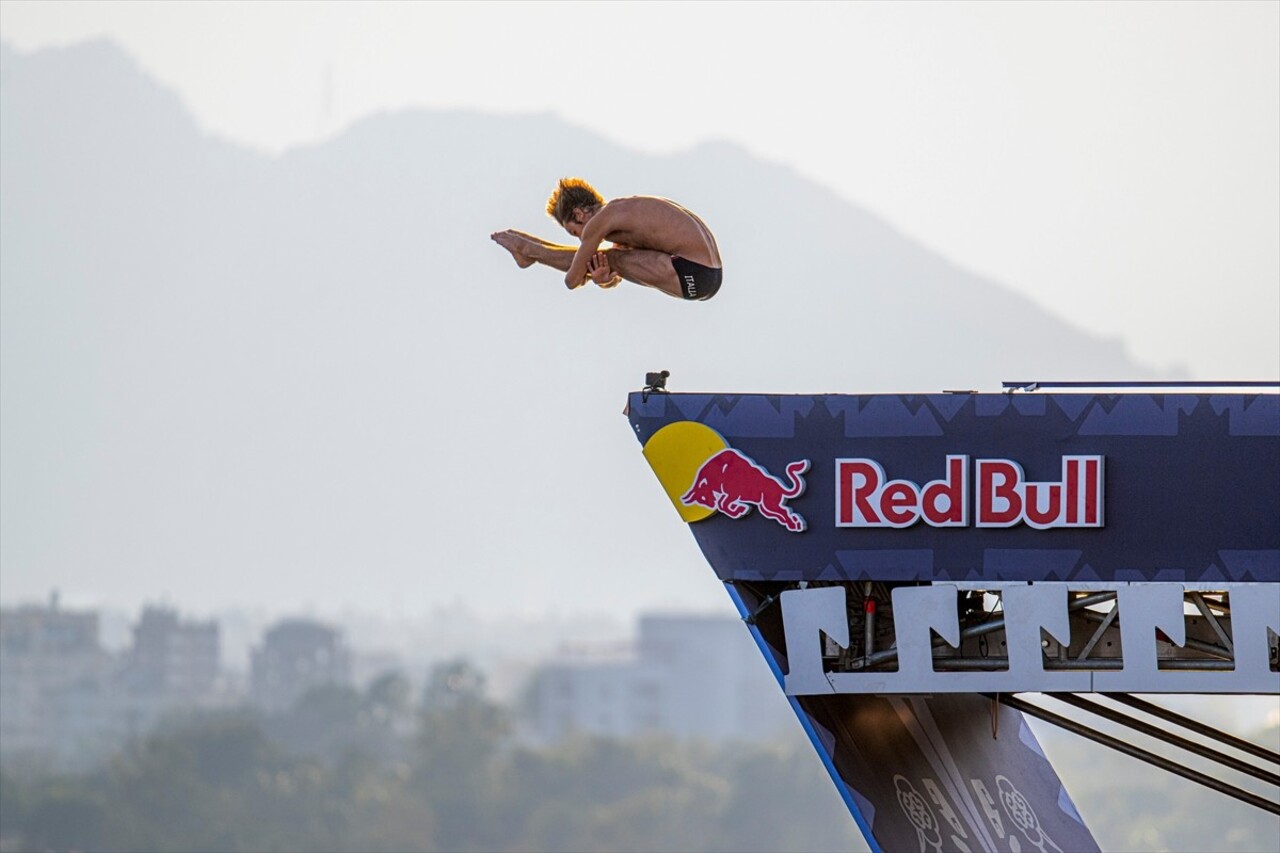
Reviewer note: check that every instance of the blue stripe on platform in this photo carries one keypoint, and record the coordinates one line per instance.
(807, 723)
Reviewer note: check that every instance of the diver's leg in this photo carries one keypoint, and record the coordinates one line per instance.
(527, 250)
(640, 266)
(536, 239)
(647, 267)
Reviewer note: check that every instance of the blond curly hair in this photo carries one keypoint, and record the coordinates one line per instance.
(571, 193)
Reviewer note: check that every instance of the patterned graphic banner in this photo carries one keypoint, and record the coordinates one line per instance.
(973, 487)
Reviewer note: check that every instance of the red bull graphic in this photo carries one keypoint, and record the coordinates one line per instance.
(866, 497)
(731, 483)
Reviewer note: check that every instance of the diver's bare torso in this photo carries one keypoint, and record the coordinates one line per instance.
(660, 225)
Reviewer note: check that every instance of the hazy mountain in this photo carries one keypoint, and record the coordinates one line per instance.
(312, 379)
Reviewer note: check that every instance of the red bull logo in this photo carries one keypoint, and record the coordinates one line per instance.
(703, 476)
(732, 484)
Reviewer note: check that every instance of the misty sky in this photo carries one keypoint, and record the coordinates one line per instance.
(1117, 163)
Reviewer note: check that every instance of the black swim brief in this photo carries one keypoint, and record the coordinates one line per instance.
(696, 281)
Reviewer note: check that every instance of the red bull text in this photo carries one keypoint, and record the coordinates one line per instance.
(865, 497)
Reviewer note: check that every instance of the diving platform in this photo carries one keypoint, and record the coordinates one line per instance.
(907, 564)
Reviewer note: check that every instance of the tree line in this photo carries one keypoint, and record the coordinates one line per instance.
(372, 770)
(345, 770)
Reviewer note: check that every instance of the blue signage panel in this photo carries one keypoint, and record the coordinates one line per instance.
(964, 487)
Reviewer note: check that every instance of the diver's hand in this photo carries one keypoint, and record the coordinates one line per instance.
(600, 272)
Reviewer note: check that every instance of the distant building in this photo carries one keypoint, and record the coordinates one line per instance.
(54, 675)
(688, 676)
(66, 701)
(174, 659)
(297, 655)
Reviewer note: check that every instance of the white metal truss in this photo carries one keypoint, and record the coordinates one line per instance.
(1022, 637)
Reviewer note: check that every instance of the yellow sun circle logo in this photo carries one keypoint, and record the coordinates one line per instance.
(675, 453)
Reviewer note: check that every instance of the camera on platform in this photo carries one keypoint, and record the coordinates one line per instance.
(656, 381)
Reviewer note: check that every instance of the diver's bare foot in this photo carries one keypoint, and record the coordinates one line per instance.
(513, 243)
